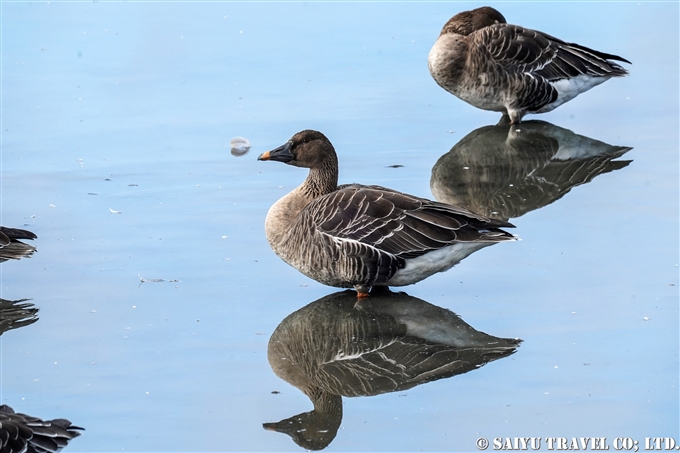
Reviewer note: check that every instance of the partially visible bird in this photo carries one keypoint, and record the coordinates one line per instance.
(16, 313)
(23, 433)
(497, 66)
(363, 236)
(10, 245)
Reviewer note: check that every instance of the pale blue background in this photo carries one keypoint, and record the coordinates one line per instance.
(137, 103)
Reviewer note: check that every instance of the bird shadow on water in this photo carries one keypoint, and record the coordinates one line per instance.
(505, 171)
(343, 346)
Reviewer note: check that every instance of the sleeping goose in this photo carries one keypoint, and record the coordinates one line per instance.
(362, 236)
(496, 66)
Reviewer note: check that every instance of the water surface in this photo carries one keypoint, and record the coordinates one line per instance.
(157, 291)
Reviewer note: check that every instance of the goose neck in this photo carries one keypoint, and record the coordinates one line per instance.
(321, 181)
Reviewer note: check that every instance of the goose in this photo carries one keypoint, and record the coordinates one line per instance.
(362, 236)
(339, 347)
(496, 66)
(24, 433)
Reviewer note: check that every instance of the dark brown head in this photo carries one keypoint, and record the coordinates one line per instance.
(307, 149)
(470, 21)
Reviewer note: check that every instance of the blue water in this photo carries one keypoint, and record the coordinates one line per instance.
(116, 125)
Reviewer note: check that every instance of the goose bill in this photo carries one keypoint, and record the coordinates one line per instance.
(280, 154)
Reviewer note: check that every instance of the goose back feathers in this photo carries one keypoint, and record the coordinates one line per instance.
(497, 66)
(361, 236)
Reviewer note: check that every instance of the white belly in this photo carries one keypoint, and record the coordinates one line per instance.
(568, 89)
(417, 269)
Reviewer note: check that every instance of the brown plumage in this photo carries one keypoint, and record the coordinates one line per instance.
(360, 236)
(497, 66)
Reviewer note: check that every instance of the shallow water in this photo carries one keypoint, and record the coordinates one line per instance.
(157, 291)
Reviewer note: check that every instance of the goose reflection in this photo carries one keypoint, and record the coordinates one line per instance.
(16, 313)
(505, 171)
(338, 346)
(11, 248)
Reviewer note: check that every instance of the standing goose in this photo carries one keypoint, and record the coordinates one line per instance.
(363, 236)
(496, 66)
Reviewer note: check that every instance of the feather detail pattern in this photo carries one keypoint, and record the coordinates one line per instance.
(360, 236)
(24, 433)
(10, 245)
(502, 67)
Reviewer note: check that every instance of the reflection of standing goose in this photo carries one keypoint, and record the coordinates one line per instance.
(496, 66)
(23, 433)
(16, 313)
(507, 171)
(10, 245)
(389, 342)
(363, 236)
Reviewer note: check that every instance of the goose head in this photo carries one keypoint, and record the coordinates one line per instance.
(468, 22)
(307, 149)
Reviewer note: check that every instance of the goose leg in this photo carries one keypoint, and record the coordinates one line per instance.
(362, 290)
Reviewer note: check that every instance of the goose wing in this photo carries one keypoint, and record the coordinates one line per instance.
(401, 225)
(537, 53)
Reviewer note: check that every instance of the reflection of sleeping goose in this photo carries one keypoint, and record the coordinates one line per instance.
(389, 342)
(10, 245)
(363, 236)
(23, 433)
(496, 66)
(505, 171)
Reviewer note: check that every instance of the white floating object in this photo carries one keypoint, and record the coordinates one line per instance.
(239, 146)
(114, 212)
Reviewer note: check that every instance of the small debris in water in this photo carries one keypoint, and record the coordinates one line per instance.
(114, 211)
(395, 166)
(150, 280)
(239, 146)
